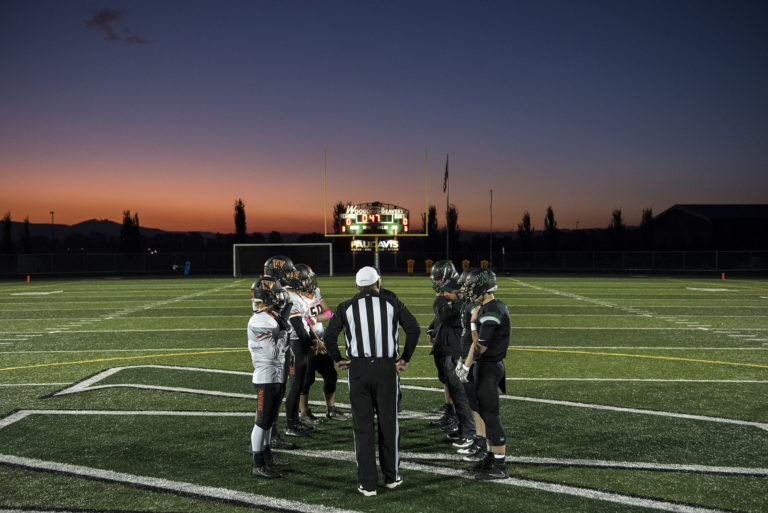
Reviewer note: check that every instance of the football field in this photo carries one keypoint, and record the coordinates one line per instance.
(622, 394)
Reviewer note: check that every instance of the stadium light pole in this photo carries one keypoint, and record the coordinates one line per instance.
(52, 243)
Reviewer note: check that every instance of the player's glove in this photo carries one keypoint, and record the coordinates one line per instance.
(290, 356)
(462, 371)
(283, 315)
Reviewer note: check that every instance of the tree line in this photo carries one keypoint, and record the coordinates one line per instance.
(616, 236)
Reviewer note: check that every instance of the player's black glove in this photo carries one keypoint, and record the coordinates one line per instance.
(284, 315)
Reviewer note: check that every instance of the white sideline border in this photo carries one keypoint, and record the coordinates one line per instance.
(90, 384)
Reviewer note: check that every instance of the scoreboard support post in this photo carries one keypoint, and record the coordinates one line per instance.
(376, 253)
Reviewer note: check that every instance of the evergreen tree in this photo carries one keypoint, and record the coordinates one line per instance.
(525, 231)
(130, 237)
(26, 237)
(240, 232)
(7, 246)
(550, 225)
(429, 223)
(452, 227)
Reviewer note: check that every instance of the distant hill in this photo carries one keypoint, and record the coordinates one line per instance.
(102, 227)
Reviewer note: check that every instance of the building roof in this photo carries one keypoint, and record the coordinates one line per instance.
(711, 213)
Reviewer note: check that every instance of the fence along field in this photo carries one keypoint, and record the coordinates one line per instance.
(623, 394)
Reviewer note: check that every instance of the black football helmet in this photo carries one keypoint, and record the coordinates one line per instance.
(278, 267)
(480, 283)
(463, 279)
(307, 279)
(441, 271)
(267, 292)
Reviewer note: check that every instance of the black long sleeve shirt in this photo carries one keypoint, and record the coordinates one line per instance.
(370, 321)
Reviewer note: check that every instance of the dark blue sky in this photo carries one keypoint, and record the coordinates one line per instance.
(173, 109)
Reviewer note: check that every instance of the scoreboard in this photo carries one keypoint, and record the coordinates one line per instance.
(374, 219)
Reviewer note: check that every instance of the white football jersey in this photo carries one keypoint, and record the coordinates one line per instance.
(267, 344)
(314, 304)
(299, 309)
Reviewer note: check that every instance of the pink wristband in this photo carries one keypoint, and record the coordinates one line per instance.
(328, 313)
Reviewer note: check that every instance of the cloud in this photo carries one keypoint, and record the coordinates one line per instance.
(104, 21)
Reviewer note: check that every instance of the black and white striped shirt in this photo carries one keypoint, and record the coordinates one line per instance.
(370, 322)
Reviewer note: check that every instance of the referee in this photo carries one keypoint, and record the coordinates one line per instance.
(370, 323)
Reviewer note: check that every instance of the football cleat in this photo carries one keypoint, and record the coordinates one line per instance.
(336, 414)
(367, 493)
(496, 471)
(445, 419)
(264, 471)
(394, 484)
(477, 445)
(464, 443)
(279, 443)
(310, 418)
(295, 431)
(483, 464)
(450, 427)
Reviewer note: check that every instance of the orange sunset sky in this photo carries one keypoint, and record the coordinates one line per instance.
(173, 110)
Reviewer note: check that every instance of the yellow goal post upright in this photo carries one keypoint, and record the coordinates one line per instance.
(387, 219)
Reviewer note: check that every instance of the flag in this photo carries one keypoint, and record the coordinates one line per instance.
(445, 179)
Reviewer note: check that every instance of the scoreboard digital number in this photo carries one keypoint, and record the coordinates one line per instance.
(374, 219)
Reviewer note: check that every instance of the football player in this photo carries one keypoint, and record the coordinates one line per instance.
(448, 422)
(268, 333)
(278, 267)
(319, 361)
(490, 324)
(447, 351)
(478, 449)
(302, 344)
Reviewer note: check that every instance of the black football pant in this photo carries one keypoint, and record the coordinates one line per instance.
(489, 377)
(458, 396)
(373, 390)
(297, 376)
(323, 364)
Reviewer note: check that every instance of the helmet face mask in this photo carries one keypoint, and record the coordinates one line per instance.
(463, 280)
(267, 293)
(442, 270)
(479, 284)
(278, 267)
(307, 279)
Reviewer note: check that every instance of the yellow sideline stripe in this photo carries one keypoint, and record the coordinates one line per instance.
(640, 356)
(122, 358)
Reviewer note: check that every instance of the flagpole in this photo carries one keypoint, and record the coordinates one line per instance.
(447, 187)
(490, 246)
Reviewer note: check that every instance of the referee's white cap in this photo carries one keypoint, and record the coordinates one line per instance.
(366, 276)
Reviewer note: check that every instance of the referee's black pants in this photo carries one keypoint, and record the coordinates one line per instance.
(373, 389)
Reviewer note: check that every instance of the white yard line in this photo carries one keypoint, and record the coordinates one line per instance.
(631, 380)
(586, 493)
(630, 465)
(155, 349)
(90, 384)
(32, 384)
(175, 487)
(565, 328)
(733, 332)
(687, 416)
(191, 489)
(151, 349)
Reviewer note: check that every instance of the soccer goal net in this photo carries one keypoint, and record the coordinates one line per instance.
(248, 259)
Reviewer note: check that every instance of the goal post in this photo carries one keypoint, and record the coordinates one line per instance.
(248, 259)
